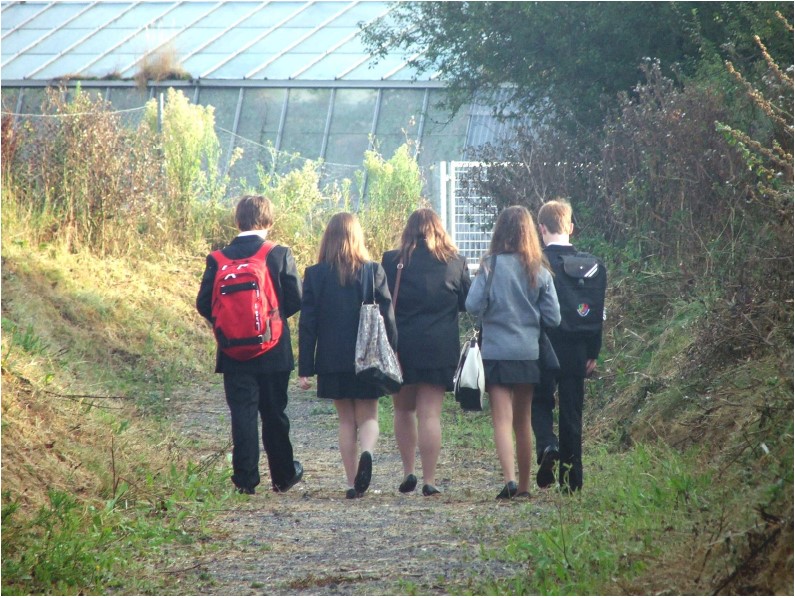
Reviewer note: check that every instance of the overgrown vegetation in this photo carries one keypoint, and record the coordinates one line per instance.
(686, 190)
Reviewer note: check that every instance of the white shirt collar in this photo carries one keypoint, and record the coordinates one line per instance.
(261, 232)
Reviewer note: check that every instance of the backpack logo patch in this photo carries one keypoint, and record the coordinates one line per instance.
(583, 309)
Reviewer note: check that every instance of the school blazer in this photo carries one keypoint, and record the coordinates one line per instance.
(329, 321)
(431, 295)
(287, 282)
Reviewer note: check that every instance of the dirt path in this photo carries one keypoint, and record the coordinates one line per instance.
(312, 541)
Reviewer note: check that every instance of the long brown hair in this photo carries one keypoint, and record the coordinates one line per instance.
(425, 224)
(343, 246)
(515, 232)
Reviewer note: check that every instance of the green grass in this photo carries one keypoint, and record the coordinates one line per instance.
(610, 532)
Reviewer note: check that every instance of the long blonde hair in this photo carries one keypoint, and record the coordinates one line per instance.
(343, 246)
(515, 232)
(425, 224)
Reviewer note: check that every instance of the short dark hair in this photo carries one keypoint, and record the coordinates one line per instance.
(254, 212)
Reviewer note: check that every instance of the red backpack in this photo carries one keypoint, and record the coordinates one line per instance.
(245, 308)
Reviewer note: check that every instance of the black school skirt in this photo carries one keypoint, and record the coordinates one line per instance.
(436, 376)
(345, 385)
(507, 372)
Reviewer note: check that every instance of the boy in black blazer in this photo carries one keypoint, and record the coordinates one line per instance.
(577, 353)
(259, 385)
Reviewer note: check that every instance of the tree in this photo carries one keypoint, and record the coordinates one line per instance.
(567, 60)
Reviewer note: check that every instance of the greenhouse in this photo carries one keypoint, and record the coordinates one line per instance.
(284, 77)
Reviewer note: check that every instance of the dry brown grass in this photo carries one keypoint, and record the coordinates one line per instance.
(161, 64)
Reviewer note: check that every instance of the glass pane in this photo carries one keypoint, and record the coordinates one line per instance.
(9, 98)
(19, 40)
(275, 41)
(398, 119)
(363, 11)
(286, 66)
(58, 41)
(258, 127)
(20, 67)
(131, 100)
(329, 67)
(272, 14)
(67, 65)
(351, 124)
(143, 14)
(229, 44)
(32, 99)
(224, 100)
(316, 13)
(320, 39)
(59, 12)
(18, 13)
(306, 121)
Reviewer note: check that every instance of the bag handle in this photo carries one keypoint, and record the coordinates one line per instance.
(368, 267)
(397, 286)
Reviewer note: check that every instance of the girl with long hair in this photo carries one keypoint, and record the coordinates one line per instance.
(327, 330)
(521, 298)
(434, 281)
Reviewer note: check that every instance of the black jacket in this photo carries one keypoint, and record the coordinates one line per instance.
(284, 274)
(430, 296)
(573, 350)
(329, 319)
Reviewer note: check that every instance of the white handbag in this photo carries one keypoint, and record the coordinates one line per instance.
(469, 381)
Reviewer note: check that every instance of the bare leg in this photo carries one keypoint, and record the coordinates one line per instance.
(522, 405)
(500, 398)
(367, 423)
(405, 419)
(429, 412)
(347, 437)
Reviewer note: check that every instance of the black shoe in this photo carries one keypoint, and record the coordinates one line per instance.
(409, 484)
(299, 473)
(351, 493)
(523, 496)
(244, 490)
(546, 468)
(363, 474)
(428, 490)
(509, 491)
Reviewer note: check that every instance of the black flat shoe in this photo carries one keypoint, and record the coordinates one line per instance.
(428, 490)
(299, 473)
(546, 467)
(351, 493)
(363, 474)
(523, 496)
(409, 484)
(508, 492)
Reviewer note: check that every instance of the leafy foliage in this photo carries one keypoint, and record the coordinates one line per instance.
(567, 60)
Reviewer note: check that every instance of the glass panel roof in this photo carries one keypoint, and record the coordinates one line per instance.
(312, 39)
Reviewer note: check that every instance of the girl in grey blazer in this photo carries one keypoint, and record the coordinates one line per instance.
(522, 297)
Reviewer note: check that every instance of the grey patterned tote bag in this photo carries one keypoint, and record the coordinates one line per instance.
(376, 362)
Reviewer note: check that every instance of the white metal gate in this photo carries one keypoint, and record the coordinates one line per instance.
(464, 222)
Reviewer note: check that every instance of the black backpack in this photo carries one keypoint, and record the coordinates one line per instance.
(580, 282)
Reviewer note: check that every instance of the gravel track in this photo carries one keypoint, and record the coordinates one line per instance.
(313, 541)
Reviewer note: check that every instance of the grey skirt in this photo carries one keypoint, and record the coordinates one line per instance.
(507, 372)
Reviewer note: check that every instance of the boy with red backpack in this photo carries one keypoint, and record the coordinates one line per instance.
(248, 290)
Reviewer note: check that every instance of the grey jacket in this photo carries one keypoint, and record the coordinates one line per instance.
(515, 311)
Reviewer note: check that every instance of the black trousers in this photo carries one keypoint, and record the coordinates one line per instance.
(247, 396)
(571, 393)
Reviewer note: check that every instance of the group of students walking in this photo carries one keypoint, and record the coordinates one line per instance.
(421, 288)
